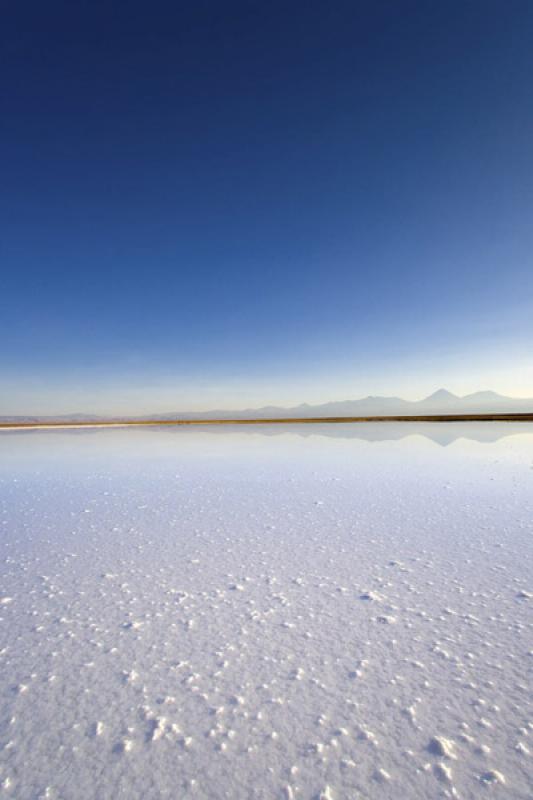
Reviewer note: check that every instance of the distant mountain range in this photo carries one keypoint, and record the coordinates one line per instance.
(440, 402)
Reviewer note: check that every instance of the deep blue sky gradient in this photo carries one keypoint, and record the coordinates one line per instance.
(208, 204)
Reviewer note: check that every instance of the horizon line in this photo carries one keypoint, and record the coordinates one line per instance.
(500, 417)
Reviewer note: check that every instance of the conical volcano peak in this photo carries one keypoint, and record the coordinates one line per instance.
(442, 395)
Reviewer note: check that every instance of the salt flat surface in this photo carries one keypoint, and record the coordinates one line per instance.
(266, 614)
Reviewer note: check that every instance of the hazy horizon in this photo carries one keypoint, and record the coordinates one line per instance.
(373, 396)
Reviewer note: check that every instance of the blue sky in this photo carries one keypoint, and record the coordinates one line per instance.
(228, 204)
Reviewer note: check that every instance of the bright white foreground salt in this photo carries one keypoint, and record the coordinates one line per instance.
(190, 614)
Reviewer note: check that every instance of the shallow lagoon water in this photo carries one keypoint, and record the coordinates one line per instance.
(340, 611)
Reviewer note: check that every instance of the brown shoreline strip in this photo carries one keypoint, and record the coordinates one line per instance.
(511, 417)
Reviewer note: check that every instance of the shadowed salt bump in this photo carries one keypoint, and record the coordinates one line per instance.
(298, 674)
(96, 729)
(442, 747)
(523, 595)
(359, 670)
(125, 746)
(410, 713)
(237, 700)
(373, 596)
(347, 763)
(386, 619)
(156, 729)
(367, 736)
(492, 776)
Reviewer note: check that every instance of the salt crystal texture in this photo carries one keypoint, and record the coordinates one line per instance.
(308, 612)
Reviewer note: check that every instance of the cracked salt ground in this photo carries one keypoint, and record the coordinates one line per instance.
(199, 615)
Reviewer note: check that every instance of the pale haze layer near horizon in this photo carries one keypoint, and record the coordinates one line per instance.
(238, 615)
(82, 395)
